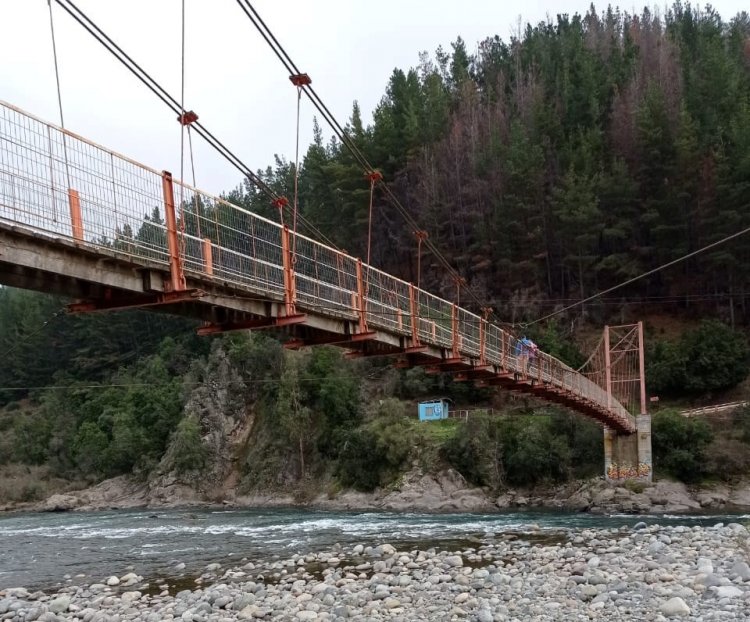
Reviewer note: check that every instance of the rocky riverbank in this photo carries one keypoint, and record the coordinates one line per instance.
(644, 573)
(445, 491)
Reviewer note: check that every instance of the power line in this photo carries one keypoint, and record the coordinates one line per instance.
(127, 385)
(644, 275)
(4, 356)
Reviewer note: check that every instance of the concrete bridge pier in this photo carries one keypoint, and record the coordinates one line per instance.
(628, 456)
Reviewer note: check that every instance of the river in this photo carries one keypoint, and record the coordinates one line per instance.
(39, 550)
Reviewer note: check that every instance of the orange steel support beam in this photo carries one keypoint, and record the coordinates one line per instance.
(113, 302)
(414, 310)
(177, 280)
(607, 368)
(254, 324)
(361, 299)
(76, 220)
(642, 368)
(483, 335)
(290, 293)
(208, 260)
(454, 330)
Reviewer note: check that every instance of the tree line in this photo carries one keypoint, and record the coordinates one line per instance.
(583, 151)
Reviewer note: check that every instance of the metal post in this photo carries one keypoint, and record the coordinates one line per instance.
(414, 309)
(454, 327)
(607, 368)
(483, 335)
(76, 220)
(286, 260)
(177, 276)
(361, 299)
(642, 368)
(208, 262)
(643, 421)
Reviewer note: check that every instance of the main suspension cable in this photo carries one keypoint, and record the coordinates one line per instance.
(83, 20)
(340, 132)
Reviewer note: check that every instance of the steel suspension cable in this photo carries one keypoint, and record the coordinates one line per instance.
(57, 70)
(84, 21)
(59, 98)
(296, 180)
(183, 241)
(341, 133)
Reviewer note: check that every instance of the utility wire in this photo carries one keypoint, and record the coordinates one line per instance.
(644, 275)
(4, 356)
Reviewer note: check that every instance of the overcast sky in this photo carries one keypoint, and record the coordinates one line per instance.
(233, 81)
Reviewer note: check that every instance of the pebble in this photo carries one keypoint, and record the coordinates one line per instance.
(651, 573)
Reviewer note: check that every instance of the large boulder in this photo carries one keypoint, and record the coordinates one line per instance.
(439, 492)
(61, 503)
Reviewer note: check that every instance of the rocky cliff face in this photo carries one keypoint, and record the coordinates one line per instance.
(217, 400)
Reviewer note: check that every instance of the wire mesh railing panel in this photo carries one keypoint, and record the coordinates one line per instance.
(232, 244)
(119, 203)
(326, 279)
(493, 344)
(469, 333)
(388, 305)
(435, 320)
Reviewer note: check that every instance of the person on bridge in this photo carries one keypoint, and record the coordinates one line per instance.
(526, 351)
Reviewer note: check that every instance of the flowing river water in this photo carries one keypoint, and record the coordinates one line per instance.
(42, 551)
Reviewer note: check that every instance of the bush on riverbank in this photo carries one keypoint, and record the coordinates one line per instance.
(679, 445)
(523, 450)
(712, 357)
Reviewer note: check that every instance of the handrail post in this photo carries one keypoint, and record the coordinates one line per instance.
(454, 326)
(177, 276)
(483, 335)
(641, 368)
(607, 368)
(208, 260)
(414, 309)
(361, 298)
(76, 220)
(290, 294)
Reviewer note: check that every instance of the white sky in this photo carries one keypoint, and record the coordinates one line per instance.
(233, 81)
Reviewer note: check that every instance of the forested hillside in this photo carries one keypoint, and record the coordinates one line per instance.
(546, 168)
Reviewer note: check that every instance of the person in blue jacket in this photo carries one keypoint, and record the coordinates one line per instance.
(526, 351)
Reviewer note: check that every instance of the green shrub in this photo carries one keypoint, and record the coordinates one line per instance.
(727, 459)
(712, 357)
(189, 454)
(360, 461)
(679, 445)
(375, 454)
(31, 435)
(518, 450)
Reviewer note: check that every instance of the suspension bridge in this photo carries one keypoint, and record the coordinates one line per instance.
(79, 220)
(82, 221)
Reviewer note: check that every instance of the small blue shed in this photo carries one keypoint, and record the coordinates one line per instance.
(433, 410)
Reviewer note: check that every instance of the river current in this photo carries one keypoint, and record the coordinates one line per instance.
(39, 550)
